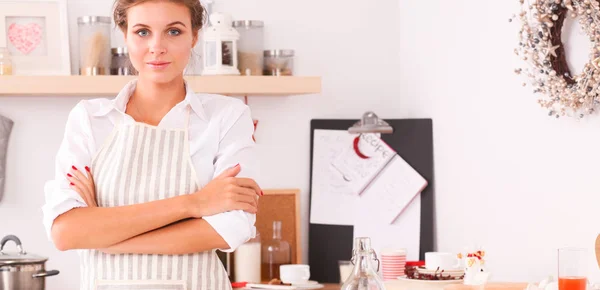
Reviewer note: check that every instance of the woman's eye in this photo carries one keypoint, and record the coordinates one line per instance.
(143, 32)
(174, 32)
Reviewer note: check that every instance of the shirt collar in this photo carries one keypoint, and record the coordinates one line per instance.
(120, 101)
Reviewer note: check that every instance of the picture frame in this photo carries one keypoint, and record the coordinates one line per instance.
(36, 34)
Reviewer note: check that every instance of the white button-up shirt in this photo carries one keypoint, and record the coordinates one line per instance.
(220, 132)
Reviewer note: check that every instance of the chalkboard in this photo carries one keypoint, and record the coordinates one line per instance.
(413, 141)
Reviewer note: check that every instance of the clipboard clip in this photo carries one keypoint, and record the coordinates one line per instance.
(369, 123)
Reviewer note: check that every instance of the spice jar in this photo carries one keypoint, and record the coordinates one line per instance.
(6, 65)
(279, 62)
(120, 64)
(94, 45)
(250, 46)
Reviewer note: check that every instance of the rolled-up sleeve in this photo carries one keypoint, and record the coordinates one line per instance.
(74, 150)
(237, 146)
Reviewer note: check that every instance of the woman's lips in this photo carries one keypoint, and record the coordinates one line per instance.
(158, 64)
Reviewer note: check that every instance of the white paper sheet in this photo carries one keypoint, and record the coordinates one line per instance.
(404, 233)
(332, 201)
(389, 211)
(359, 172)
(386, 181)
(393, 189)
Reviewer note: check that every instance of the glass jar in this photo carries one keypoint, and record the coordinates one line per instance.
(6, 65)
(364, 276)
(246, 261)
(275, 252)
(279, 62)
(120, 64)
(250, 46)
(94, 45)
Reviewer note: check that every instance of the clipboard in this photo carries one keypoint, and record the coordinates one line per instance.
(413, 140)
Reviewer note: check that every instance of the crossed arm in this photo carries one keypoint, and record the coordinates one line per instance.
(168, 226)
(160, 227)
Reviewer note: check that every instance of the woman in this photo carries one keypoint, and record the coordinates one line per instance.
(150, 183)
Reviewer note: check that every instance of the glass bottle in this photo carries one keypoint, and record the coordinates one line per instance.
(6, 65)
(363, 276)
(275, 252)
(246, 264)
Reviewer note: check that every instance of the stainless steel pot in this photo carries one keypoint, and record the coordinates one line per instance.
(20, 270)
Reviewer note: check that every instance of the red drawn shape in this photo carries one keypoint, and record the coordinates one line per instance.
(26, 37)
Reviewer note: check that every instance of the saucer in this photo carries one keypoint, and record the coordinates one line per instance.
(430, 282)
(309, 285)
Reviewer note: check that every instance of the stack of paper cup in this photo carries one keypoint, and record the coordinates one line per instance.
(392, 263)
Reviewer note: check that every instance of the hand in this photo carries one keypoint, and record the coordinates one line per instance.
(225, 193)
(84, 185)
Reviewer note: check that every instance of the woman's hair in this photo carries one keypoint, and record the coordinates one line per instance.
(197, 12)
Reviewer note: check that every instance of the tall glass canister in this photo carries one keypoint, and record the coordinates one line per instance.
(250, 46)
(94, 45)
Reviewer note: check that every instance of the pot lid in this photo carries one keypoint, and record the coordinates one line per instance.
(18, 257)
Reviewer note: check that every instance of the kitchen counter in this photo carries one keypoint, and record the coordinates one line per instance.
(393, 285)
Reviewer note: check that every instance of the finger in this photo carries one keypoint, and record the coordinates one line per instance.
(250, 199)
(91, 184)
(79, 188)
(250, 183)
(78, 174)
(79, 181)
(246, 207)
(245, 191)
(230, 172)
(85, 181)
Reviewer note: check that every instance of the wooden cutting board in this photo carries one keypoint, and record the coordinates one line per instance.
(598, 250)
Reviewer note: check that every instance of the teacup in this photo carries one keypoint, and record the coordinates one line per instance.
(294, 273)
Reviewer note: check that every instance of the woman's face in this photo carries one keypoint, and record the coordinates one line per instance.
(160, 39)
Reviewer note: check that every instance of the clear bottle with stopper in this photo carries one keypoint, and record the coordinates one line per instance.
(364, 276)
(275, 252)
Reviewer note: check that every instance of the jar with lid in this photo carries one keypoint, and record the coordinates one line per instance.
(120, 64)
(250, 46)
(6, 65)
(94, 45)
(279, 62)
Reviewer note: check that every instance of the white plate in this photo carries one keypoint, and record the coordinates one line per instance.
(308, 286)
(267, 286)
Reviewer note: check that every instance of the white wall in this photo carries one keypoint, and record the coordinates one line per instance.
(507, 177)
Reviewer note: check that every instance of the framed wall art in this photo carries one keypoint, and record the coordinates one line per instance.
(36, 34)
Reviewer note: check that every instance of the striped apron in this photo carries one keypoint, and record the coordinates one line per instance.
(141, 163)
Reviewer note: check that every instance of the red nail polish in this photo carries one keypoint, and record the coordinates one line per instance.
(74, 168)
(237, 165)
(69, 175)
(72, 183)
(87, 168)
(262, 193)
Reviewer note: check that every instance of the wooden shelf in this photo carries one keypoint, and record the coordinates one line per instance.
(111, 85)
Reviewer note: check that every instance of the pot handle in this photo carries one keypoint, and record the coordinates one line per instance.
(14, 239)
(45, 274)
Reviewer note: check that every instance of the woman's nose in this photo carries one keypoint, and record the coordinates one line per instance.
(156, 46)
